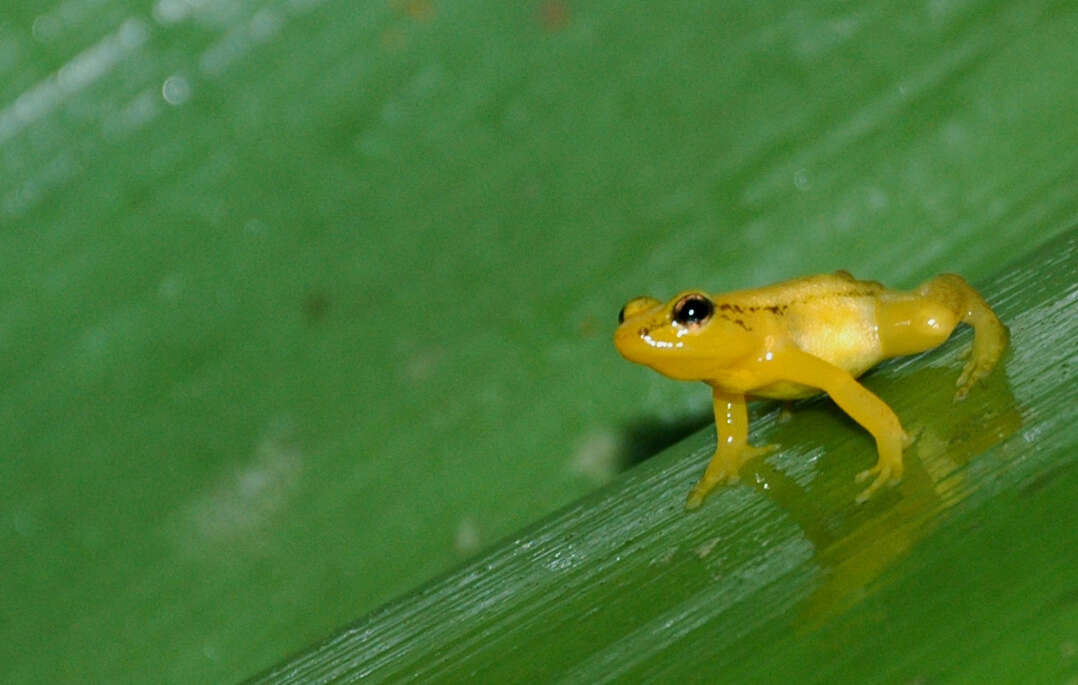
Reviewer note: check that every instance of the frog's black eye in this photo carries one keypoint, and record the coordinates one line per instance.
(693, 310)
(621, 315)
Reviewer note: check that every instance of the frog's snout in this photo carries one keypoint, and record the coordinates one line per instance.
(629, 339)
(636, 306)
(637, 320)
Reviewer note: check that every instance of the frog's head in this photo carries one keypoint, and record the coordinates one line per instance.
(682, 338)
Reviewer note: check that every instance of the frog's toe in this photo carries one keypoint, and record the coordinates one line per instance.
(971, 373)
(709, 482)
(752, 451)
(885, 474)
(694, 500)
(865, 475)
(696, 497)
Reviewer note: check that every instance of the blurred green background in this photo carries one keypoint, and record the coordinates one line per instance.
(304, 302)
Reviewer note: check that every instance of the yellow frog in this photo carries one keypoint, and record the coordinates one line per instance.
(798, 338)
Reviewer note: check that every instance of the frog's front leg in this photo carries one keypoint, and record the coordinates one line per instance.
(858, 402)
(733, 448)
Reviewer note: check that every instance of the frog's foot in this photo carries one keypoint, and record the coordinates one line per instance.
(989, 342)
(723, 469)
(886, 471)
(976, 368)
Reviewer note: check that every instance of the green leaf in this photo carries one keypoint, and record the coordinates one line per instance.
(963, 573)
(304, 302)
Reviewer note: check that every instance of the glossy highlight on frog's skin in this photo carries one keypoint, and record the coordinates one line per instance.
(800, 338)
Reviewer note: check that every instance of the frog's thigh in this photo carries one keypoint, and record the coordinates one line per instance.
(967, 305)
(913, 324)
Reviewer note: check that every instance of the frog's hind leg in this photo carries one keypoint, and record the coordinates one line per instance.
(919, 321)
(967, 305)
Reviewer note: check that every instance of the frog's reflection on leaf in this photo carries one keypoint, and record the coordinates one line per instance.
(856, 544)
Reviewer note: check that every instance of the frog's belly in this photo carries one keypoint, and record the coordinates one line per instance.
(855, 364)
(785, 390)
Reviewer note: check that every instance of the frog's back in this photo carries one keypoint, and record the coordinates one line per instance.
(803, 291)
(830, 316)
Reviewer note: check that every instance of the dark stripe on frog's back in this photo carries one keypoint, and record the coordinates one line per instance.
(778, 298)
(797, 307)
